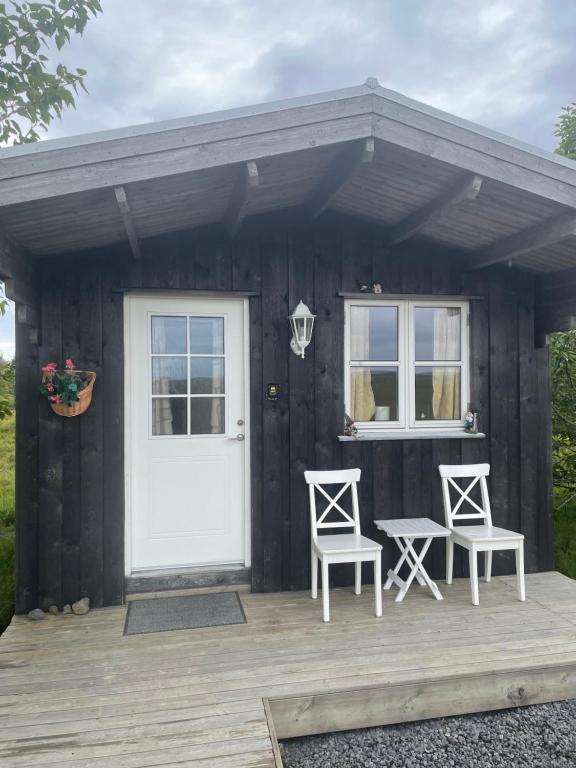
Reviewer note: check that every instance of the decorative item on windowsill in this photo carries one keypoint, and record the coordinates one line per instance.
(68, 390)
(350, 429)
(382, 413)
(471, 422)
(374, 288)
(302, 323)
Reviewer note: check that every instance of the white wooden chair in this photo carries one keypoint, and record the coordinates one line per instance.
(477, 538)
(342, 547)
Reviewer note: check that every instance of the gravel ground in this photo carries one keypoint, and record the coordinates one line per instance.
(542, 736)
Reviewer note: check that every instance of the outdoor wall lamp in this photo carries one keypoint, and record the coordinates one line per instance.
(301, 322)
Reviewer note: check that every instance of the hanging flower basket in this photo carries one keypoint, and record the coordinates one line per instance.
(68, 390)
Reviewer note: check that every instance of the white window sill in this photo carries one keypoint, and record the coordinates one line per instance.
(413, 434)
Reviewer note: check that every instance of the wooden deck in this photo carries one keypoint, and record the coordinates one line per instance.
(76, 692)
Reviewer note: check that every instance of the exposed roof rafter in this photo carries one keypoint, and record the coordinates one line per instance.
(539, 236)
(128, 219)
(465, 190)
(248, 178)
(210, 150)
(341, 170)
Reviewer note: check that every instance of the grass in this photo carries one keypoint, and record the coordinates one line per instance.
(7, 518)
(565, 539)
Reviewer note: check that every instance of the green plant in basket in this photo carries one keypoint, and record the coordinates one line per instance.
(63, 385)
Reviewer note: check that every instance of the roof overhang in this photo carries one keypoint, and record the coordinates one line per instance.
(365, 151)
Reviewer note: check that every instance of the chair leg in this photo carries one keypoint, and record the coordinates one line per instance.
(358, 579)
(488, 565)
(325, 592)
(449, 559)
(378, 584)
(520, 573)
(473, 559)
(314, 572)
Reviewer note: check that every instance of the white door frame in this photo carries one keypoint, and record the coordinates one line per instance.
(128, 423)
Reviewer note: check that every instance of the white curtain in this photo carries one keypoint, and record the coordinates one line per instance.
(362, 395)
(163, 410)
(446, 381)
(216, 416)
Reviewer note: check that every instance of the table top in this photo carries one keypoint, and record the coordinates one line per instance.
(416, 527)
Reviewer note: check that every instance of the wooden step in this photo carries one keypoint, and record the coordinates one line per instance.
(188, 578)
(378, 705)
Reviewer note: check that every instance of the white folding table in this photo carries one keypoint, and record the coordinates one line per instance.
(404, 532)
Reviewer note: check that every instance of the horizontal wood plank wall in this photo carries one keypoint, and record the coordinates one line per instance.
(80, 527)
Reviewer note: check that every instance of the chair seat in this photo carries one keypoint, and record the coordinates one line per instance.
(345, 542)
(487, 534)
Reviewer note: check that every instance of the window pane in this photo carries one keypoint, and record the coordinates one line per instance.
(374, 394)
(437, 393)
(207, 415)
(207, 335)
(169, 335)
(206, 375)
(437, 333)
(169, 416)
(169, 375)
(374, 333)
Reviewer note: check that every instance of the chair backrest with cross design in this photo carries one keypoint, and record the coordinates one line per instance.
(458, 503)
(333, 515)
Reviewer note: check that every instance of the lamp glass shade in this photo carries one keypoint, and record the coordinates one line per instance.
(302, 323)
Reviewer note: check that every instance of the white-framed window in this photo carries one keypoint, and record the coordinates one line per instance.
(406, 364)
(187, 375)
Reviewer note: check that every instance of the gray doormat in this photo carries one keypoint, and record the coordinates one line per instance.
(165, 614)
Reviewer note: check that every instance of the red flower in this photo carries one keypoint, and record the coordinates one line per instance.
(55, 399)
(49, 368)
(50, 387)
(70, 364)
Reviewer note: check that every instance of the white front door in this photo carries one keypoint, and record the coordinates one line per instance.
(186, 420)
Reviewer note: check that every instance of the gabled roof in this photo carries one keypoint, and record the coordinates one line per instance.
(163, 126)
(365, 151)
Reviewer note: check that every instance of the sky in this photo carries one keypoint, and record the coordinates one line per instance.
(507, 64)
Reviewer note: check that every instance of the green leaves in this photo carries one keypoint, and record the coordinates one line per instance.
(3, 300)
(566, 132)
(31, 95)
(564, 413)
(7, 383)
(63, 386)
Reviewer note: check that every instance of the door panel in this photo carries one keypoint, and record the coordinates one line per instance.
(186, 405)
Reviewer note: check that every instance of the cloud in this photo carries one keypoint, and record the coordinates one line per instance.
(497, 72)
(506, 63)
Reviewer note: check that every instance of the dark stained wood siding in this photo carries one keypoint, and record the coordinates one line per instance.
(26, 464)
(78, 534)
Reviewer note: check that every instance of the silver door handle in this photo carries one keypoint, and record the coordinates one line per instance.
(240, 437)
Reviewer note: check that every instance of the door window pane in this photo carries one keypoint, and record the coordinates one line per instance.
(374, 394)
(374, 333)
(206, 376)
(188, 359)
(169, 416)
(169, 335)
(169, 375)
(437, 393)
(207, 415)
(437, 333)
(206, 335)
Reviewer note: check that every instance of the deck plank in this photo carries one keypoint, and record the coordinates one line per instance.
(77, 692)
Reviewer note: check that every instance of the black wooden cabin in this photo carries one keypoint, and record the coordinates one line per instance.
(306, 199)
